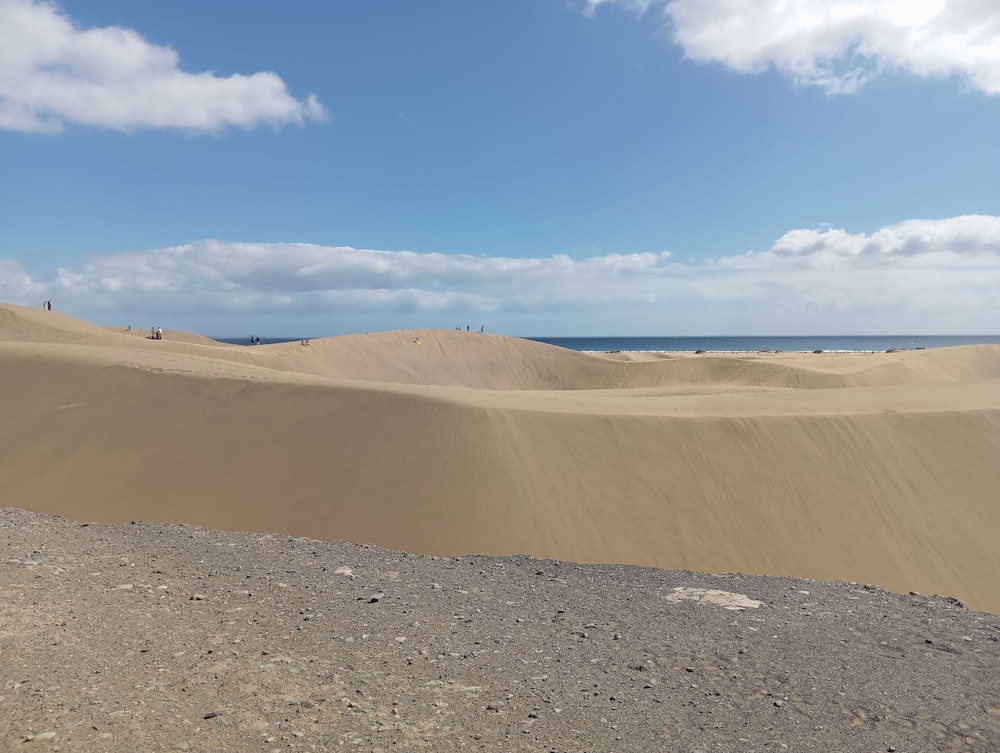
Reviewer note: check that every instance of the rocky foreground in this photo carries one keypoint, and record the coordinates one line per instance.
(166, 638)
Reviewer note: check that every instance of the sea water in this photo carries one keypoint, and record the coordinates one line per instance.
(783, 343)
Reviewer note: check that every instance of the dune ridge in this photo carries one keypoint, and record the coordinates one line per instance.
(879, 468)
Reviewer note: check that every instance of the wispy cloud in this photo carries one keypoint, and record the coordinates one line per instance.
(53, 73)
(917, 276)
(16, 284)
(838, 45)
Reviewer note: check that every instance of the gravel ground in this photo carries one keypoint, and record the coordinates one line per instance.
(176, 638)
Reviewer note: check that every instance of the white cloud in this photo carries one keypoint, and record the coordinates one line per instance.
(636, 6)
(837, 45)
(925, 276)
(53, 73)
(16, 283)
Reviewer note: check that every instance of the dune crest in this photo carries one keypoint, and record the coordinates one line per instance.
(868, 467)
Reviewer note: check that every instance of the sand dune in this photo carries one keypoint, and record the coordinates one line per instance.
(879, 468)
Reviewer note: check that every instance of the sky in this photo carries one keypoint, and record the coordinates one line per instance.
(538, 167)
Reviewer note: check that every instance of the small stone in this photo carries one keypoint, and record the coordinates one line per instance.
(779, 704)
(375, 598)
(211, 715)
(197, 597)
(45, 736)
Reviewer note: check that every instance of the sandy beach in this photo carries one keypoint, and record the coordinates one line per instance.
(875, 468)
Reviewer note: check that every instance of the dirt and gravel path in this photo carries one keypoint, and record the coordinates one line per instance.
(176, 638)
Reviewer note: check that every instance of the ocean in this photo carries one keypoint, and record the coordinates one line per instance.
(784, 343)
(787, 344)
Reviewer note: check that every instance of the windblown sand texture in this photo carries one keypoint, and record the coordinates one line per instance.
(878, 468)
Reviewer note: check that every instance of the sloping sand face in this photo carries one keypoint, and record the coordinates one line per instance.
(876, 468)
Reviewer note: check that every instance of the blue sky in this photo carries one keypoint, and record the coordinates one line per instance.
(543, 167)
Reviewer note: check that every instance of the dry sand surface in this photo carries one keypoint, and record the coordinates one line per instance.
(115, 639)
(877, 468)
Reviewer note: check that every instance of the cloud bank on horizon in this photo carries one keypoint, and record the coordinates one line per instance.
(838, 45)
(919, 276)
(53, 73)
